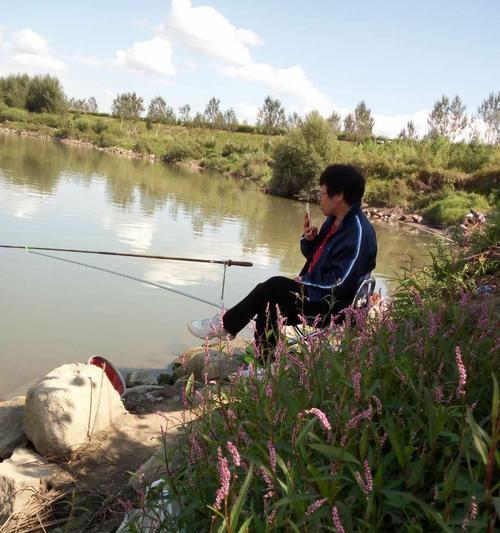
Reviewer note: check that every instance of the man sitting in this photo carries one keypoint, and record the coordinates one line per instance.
(338, 257)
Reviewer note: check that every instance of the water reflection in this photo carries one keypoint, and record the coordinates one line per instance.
(62, 196)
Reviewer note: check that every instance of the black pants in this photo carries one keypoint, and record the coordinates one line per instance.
(281, 291)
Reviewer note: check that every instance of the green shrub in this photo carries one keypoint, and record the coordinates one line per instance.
(388, 193)
(178, 152)
(99, 126)
(82, 125)
(106, 140)
(453, 208)
(11, 114)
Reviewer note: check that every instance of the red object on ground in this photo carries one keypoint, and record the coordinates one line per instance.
(111, 372)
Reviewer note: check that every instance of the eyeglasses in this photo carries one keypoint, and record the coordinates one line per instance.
(321, 193)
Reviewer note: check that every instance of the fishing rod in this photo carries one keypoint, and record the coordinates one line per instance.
(225, 262)
(127, 276)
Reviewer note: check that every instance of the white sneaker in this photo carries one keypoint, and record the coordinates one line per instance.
(208, 328)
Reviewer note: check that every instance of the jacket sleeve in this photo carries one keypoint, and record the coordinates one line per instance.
(306, 247)
(340, 273)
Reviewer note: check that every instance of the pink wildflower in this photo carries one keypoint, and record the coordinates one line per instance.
(336, 520)
(196, 451)
(438, 394)
(272, 516)
(383, 439)
(378, 404)
(323, 420)
(368, 476)
(355, 420)
(356, 382)
(235, 454)
(462, 373)
(126, 505)
(272, 455)
(315, 506)
(266, 478)
(268, 390)
(224, 477)
(473, 509)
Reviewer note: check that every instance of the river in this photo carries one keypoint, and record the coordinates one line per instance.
(55, 195)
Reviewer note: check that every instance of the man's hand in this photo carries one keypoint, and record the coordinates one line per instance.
(309, 231)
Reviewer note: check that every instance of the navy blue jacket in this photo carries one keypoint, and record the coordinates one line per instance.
(348, 256)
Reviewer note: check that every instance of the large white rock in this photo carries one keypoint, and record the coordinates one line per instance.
(21, 476)
(11, 426)
(68, 406)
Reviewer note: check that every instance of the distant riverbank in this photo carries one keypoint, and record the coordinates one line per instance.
(436, 179)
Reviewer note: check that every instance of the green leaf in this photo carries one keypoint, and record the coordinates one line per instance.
(303, 434)
(428, 510)
(496, 399)
(496, 503)
(189, 385)
(245, 525)
(238, 504)
(477, 435)
(332, 452)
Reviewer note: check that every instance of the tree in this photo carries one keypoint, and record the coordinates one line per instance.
(335, 121)
(127, 106)
(349, 124)
(212, 112)
(45, 95)
(294, 120)
(363, 121)
(184, 113)
(230, 119)
(199, 120)
(157, 110)
(458, 119)
(13, 90)
(92, 105)
(409, 133)
(80, 104)
(489, 112)
(271, 116)
(447, 119)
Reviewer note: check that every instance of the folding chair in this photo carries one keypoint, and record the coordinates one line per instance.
(361, 300)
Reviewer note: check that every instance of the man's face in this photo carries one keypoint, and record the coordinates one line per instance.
(329, 205)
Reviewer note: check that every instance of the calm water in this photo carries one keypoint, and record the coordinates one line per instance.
(54, 312)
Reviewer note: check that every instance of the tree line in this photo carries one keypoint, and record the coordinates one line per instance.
(448, 117)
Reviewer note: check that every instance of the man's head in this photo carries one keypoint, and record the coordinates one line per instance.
(341, 186)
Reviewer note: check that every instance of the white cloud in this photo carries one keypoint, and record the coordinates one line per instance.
(137, 234)
(38, 62)
(28, 49)
(26, 41)
(205, 30)
(247, 112)
(290, 81)
(153, 56)
(390, 126)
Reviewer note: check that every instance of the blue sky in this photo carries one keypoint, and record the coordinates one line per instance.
(400, 57)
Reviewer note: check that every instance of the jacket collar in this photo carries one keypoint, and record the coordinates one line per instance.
(353, 211)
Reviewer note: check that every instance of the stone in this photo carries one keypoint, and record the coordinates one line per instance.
(216, 364)
(23, 474)
(141, 377)
(68, 406)
(416, 218)
(165, 379)
(11, 426)
(138, 399)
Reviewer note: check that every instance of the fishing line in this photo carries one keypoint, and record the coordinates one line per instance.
(107, 270)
